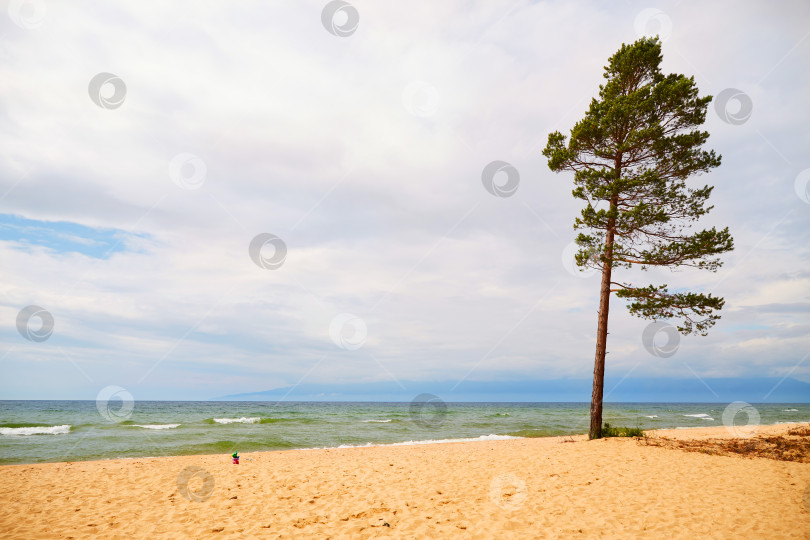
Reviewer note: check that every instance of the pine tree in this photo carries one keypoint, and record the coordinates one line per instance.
(631, 155)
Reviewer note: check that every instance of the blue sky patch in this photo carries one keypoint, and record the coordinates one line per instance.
(63, 236)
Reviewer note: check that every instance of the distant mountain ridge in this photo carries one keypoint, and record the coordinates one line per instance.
(715, 390)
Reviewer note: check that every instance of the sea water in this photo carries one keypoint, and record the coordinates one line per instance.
(46, 431)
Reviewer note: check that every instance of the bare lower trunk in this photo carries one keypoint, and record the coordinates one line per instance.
(601, 338)
(599, 361)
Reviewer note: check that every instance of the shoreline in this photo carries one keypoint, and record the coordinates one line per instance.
(517, 488)
(674, 433)
(690, 432)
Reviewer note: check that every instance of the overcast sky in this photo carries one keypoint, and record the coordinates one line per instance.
(145, 145)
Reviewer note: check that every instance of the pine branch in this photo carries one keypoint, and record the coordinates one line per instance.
(696, 310)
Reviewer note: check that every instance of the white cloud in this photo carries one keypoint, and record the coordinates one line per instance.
(305, 135)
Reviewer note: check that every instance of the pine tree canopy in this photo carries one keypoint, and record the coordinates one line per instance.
(631, 156)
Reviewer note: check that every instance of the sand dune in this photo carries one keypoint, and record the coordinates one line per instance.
(526, 488)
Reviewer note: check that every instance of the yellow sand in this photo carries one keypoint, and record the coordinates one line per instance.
(526, 488)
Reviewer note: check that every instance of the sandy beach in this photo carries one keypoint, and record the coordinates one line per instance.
(523, 488)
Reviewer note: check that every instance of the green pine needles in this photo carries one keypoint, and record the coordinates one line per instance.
(631, 155)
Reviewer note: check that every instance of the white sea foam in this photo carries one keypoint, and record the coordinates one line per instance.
(653, 416)
(156, 426)
(242, 420)
(491, 437)
(791, 410)
(702, 416)
(45, 430)
(377, 421)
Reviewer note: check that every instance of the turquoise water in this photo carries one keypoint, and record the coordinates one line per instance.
(43, 431)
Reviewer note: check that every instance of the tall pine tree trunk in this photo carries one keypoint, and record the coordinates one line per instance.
(601, 333)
